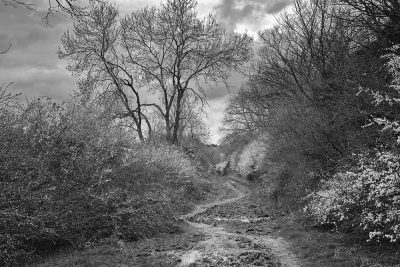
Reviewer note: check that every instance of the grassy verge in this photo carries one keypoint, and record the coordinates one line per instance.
(167, 232)
(145, 252)
(317, 246)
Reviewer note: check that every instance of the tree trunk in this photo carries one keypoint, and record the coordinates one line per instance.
(140, 133)
(177, 117)
(168, 127)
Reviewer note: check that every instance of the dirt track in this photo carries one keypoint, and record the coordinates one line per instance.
(221, 233)
(234, 230)
(222, 247)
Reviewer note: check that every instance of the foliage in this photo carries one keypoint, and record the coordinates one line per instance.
(52, 169)
(366, 198)
(251, 158)
(68, 179)
(321, 89)
(389, 98)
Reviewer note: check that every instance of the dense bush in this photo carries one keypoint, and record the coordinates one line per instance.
(52, 168)
(366, 198)
(160, 183)
(250, 159)
(324, 86)
(67, 179)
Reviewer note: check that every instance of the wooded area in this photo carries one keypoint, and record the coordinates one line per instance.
(323, 100)
(315, 125)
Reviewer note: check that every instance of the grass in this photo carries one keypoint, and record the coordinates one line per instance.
(316, 246)
(114, 251)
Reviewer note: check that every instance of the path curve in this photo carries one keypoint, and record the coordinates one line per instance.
(221, 247)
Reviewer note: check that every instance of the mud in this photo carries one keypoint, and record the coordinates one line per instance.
(222, 234)
(225, 248)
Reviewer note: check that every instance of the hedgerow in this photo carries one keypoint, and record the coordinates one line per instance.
(68, 179)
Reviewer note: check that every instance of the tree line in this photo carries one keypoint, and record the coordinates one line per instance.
(167, 51)
(323, 94)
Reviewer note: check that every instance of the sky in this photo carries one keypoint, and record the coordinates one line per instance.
(33, 66)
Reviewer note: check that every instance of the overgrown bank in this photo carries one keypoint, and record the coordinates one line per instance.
(317, 122)
(71, 177)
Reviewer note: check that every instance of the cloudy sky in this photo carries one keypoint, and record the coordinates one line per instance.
(33, 66)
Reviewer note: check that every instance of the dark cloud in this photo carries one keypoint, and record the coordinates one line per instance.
(33, 66)
(216, 91)
(32, 62)
(277, 6)
(250, 12)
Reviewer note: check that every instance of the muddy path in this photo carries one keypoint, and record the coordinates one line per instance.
(225, 232)
(228, 246)
(233, 229)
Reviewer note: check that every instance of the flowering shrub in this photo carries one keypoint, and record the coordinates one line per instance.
(367, 199)
(234, 159)
(251, 158)
(390, 98)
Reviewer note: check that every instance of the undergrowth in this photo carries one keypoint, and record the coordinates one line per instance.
(70, 178)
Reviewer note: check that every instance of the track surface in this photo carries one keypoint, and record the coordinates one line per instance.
(223, 243)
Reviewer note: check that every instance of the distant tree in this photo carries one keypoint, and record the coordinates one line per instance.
(193, 128)
(247, 111)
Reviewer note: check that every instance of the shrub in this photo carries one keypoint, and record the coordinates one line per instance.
(366, 198)
(67, 179)
(52, 165)
(251, 158)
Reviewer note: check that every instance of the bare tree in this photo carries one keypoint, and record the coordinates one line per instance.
(95, 51)
(302, 89)
(247, 112)
(381, 16)
(192, 126)
(167, 50)
(70, 7)
(5, 50)
(177, 51)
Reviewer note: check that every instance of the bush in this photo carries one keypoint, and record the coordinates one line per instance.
(52, 165)
(67, 179)
(366, 198)
(251, 158)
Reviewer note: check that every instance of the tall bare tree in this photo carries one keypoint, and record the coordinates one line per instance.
(96, 51)
(166, 50)
(177, 51)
